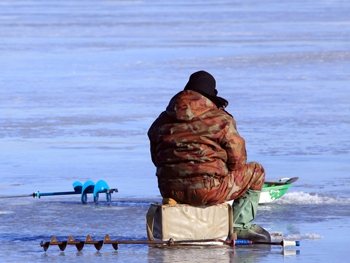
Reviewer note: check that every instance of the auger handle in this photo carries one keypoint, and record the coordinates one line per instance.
(283, 243)
(286, 243)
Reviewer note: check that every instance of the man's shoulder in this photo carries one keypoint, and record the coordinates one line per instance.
(220, 114)
(162, 119)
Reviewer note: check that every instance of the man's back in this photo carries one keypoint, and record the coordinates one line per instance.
(186, 144)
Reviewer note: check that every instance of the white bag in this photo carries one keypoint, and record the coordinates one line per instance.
(185, 222)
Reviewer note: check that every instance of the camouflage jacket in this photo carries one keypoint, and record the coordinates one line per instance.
(194, 144)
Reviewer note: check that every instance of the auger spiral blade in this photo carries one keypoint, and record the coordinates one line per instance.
(98, 244)
(78, 244)
(107, 240)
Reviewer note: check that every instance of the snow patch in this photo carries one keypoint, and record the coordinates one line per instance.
(303, 236)
(310, 198)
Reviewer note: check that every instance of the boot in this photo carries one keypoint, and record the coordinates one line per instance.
(244, 211)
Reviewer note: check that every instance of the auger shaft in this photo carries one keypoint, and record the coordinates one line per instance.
(99, 243)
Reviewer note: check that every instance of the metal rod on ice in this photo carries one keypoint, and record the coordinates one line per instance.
(171, 242)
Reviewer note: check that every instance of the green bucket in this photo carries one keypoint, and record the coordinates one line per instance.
(275, 190)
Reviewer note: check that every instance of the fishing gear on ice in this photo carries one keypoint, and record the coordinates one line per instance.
(88, 187)
(79, 244)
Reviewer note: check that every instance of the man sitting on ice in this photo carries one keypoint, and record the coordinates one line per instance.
(201, 159)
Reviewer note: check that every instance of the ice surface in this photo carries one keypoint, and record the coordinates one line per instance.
(82, 81)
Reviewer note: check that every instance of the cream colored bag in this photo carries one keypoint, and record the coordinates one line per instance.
(185, 222)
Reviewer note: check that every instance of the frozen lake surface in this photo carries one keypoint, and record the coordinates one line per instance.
(82, 81)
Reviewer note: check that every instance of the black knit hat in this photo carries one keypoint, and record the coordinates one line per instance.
(205, 84)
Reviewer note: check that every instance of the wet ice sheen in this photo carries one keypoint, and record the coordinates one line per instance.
(81, 83)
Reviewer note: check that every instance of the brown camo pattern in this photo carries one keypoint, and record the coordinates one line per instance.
(199, 154)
